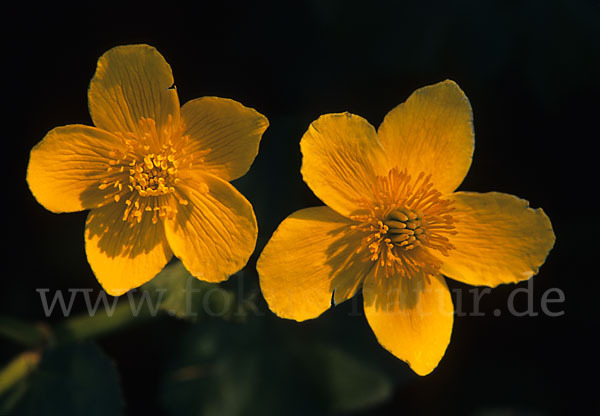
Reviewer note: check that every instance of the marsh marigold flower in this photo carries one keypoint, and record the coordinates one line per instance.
(155, 176)
(393, 225)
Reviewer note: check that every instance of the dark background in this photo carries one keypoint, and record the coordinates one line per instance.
(531, 70)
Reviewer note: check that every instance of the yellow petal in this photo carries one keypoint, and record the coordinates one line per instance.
(341, 156)
(500, 239)
(67, 166)
(215, 233)
(132, 82)
(226, 129)
(122, 255)
(432, 132)
(311, 255)
(412, 318)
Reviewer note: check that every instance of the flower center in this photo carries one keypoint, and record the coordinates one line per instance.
(144, 173)
(406, 228)
(403, 223)
(154, 174)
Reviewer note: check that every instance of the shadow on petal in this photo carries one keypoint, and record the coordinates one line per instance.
(122, 255)
(349, 266)
(95, 197)
(118, 238)
(394, 294)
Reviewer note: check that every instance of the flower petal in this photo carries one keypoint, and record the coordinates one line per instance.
(311, 255)
(432, 132)
(228, 130)
(412, 318)
(500, 239)
(67, 166)
(123, 255)
(132, 82)
(341, 158)
(215, 233)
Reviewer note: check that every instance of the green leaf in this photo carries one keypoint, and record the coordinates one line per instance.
(180, 294)
(73, 379)
(262, 367)
(24, 333)
(227, 368)
(350, 384)
(18, 369)
(14, 378)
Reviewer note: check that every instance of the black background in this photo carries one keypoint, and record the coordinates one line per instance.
(531, 70)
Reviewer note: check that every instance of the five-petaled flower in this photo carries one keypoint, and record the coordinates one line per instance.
(155, 176)
(393, 225)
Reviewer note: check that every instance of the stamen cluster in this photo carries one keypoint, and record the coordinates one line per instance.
(403, 221)
(145, 172)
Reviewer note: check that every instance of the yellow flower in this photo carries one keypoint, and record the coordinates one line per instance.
(393, 225)
(155, 176)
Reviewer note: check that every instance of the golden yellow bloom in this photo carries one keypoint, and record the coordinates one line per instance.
(156, 177)
(393, 225)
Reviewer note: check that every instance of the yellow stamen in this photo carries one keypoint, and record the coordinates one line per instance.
(403, 224)
(145, 173)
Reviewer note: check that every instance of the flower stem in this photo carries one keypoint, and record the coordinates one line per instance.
(75, 328)
(37, 336)
(17, 369)
(82, 327)
(24, 333)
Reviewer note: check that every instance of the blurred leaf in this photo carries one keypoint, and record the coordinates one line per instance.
(227, 368)
(180, 294)
(14, 379)
(9, 400)
(351, 384)
(74, 379)
(21, 332)
(17, 369)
